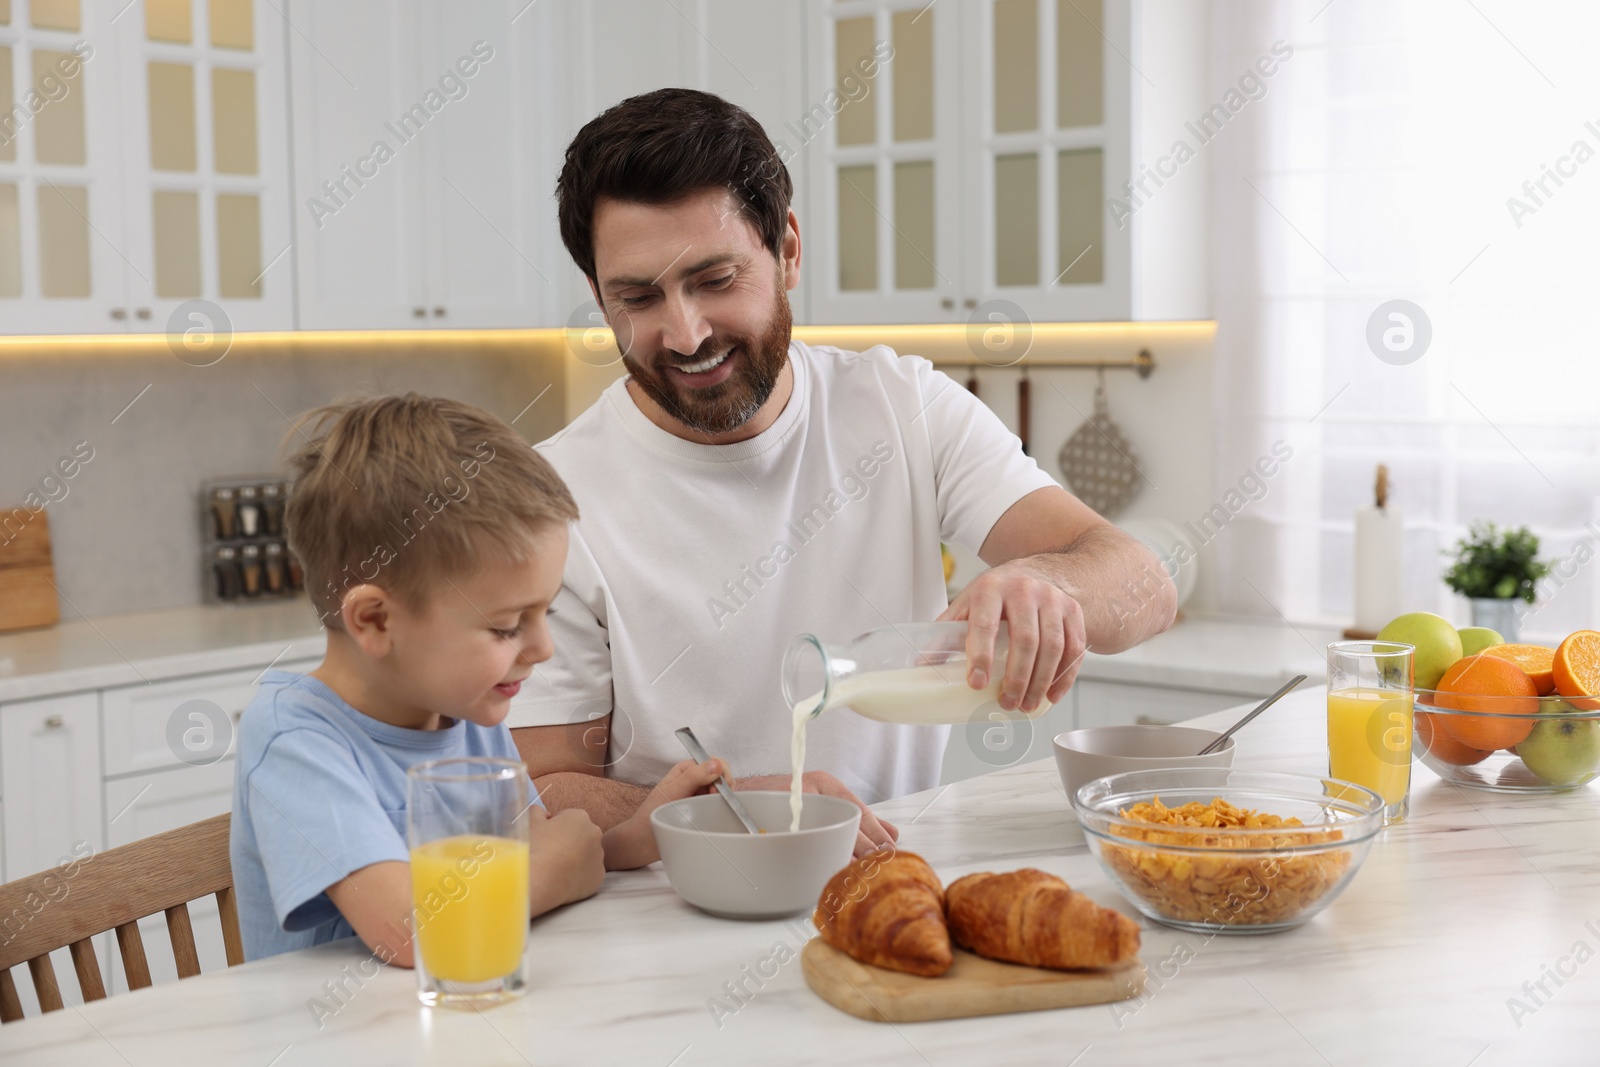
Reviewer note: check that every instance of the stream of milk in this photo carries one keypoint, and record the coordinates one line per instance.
(928, 695)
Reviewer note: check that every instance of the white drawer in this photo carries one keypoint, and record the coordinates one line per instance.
(1114, 703)
(145, 729)
(150, 804)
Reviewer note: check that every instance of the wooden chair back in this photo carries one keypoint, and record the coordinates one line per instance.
(67, 906)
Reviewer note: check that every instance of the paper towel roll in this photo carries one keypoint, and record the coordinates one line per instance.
(1380, 544)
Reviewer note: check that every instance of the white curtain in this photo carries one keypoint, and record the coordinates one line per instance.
(1380, 163)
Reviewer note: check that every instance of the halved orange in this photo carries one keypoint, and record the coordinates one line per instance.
(1534, 659)
(1438, 743)
(1576, 669)
(1489, 686)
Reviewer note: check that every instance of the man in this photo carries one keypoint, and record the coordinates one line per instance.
(739, 488)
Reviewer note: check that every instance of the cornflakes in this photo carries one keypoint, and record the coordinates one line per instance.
(1261, 886)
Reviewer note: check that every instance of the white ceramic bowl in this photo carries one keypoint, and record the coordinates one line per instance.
(1097, 751)
(714, 864)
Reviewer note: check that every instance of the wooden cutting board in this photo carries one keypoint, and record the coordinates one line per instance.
(972, 986)
(27, 575)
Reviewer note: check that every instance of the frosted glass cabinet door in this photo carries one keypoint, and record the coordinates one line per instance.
(975, 164)
(205, 179)
(61, 229)
(1048, 131)
(879, 142)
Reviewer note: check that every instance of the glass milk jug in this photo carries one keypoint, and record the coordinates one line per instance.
(908, 673)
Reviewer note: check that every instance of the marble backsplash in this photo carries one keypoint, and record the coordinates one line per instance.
(125, 527)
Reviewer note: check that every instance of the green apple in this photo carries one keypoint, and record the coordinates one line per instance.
(1563, 751)
(1475, 639)
(1438, 644)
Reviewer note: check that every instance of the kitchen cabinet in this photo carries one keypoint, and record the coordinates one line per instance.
(50, 762)
(96, 770)
(1117, 703)
(138, 719)
(1005, 740)
(144, 805)
(145, 168)
(50, 767)
(963, 160)
(746, 51)
(423, 167)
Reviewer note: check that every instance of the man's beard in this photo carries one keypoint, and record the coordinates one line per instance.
(728, 405)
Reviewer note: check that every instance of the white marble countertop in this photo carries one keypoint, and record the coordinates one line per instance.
(147, 646)
(1454, 910)
(1221, 655)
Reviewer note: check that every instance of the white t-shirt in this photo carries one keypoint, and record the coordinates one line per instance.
(693, 566)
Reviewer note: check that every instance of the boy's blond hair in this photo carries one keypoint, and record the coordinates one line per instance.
(406, 491)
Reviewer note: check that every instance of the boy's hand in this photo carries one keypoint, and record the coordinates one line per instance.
(631, 843)
(685, 779)
(567, 862)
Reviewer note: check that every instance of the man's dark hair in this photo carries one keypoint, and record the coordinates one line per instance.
(660, 147)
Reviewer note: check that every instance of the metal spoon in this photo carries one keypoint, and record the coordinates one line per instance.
(698, 753)
(1263, 706)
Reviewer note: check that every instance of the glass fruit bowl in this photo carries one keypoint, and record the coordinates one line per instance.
(1509, 744)
(1266, 875)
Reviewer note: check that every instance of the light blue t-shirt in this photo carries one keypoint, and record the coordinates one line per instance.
(319, 792)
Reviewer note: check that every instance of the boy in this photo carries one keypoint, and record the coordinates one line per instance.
(432, 538)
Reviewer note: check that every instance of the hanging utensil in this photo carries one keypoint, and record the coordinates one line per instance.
(972, 380)
(1100, 466)
(1024, 410)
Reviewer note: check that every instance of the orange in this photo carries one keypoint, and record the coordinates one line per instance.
(1576, 669)
(1483, 684)
(1535, 659)
(1438, 743)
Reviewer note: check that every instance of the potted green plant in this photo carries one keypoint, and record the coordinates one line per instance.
(1494, 569)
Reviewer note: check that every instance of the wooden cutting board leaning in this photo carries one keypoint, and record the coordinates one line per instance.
(972, 986)
(27, 574)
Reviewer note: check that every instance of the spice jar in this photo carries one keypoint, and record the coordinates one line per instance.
(225, 573)
(223, 512)
(250, 569)
(249, 512)
(272, 498)
(276, 572)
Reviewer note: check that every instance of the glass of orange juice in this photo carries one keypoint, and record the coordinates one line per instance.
(1369, 719)
(467, 829)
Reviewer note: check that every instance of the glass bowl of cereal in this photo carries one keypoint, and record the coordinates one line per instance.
(1226, 851)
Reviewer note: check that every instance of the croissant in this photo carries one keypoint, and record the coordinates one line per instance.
(887, 912)
(1034, 918)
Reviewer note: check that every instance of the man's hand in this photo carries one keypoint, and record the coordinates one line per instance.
(1044, 625)
(874, 833)
(565, 858)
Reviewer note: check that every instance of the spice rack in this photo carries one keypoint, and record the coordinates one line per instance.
(245, 555)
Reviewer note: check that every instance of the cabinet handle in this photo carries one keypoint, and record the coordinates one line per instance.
(438, 313)
(54, 722)
(419, 313)
(947, 303)
(143, 313)
(119, 313)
